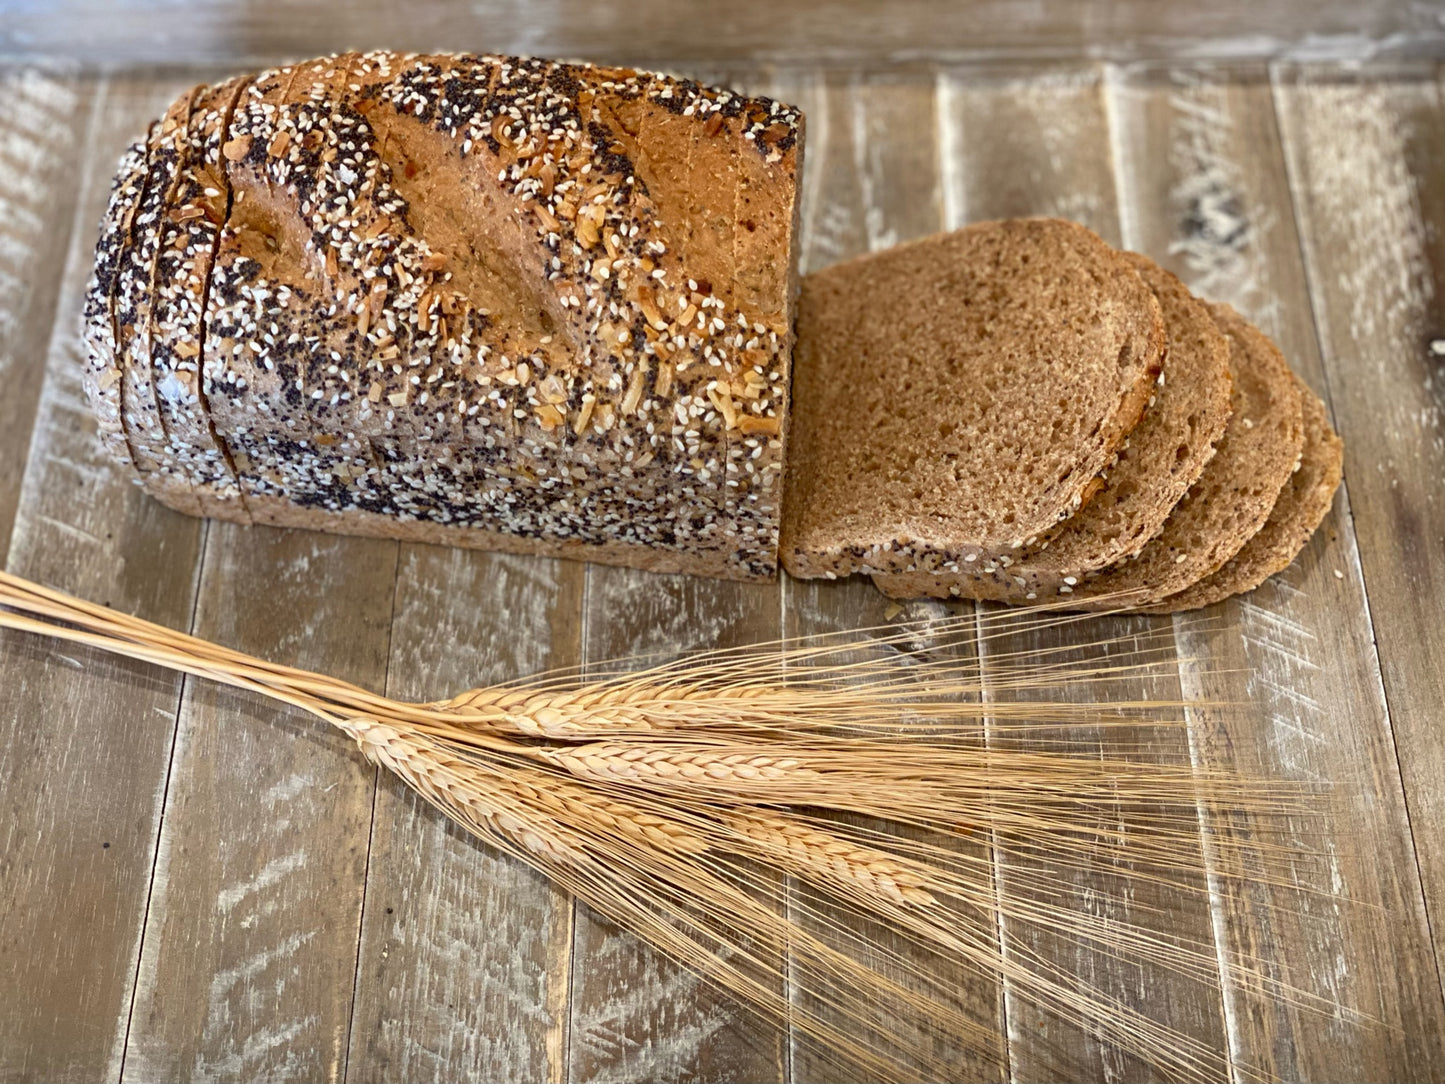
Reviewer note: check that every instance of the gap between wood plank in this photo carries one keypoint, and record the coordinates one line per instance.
(1280, 74)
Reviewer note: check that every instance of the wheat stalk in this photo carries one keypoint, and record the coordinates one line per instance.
(681, 798)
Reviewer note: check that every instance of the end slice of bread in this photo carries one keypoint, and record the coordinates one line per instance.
(1302, 505)
(1163, 457)
(958, 396)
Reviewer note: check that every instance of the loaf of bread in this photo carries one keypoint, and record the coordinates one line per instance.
(548, 308)
(489, 301)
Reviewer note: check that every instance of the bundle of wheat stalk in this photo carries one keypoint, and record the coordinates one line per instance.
(754, 813)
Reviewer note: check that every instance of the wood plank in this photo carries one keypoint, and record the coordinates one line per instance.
(1366, 161)
(873, 181)
(249, 957)
(1037, 144)
(635, 1015)
(42, 134)
(83, 738)
(464, 951)
(838, 32)
(1204, 173)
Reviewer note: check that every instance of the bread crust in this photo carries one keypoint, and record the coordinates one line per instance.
(133, 302)
(497, 263)
(1302, 505)
(101, 375)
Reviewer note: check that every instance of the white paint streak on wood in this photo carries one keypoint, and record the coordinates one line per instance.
(39, 152)
(1364, 154)
(78, 846)
(1208, 185)
(463, 966)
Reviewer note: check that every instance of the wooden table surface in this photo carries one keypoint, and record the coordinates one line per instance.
(196, 885)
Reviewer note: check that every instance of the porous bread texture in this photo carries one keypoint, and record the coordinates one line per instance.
(1232, 500)
(1229, 503)
(560, 294)
(1163, 456)
(955, 398)
(1299, 510)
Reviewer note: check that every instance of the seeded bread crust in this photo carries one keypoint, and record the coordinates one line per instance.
(101, 375)
(1302, 505)
(570, 286)
(133, 302)
(189, 228)
(1007, 362)
(1164, 455)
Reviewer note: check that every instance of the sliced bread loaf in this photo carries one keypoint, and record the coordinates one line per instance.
(1229, 503)
(1164, 455)
(101, 376)
(1302, 504)
(576, 283)
(957, 397)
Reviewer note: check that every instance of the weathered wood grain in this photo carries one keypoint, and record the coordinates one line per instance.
(42, 138)
(465, 952)
(1203, 169)
(842, 32)
(83, 739)
(250, 950)
(1366, 159)
(1038, 144)
(249, 957)
(873, 180)
(635, 1015)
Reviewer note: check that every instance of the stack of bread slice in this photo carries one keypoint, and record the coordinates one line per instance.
(1018, 412)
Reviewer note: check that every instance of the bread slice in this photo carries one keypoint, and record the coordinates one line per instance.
(1302, 505)
(101, 376)
(1233, 498)
(1164, 455)
(957, 397)
(1229, 503)
(190, 225)
(133, 298)
(578, 279)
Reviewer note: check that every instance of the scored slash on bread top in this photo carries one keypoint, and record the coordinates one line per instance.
(957, 397)
(1302, 505)
(1164, 455)
(579, 277)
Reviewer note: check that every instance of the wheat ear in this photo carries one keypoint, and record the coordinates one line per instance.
(682, 800)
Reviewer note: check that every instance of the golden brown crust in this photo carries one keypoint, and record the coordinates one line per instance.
(537, 266)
